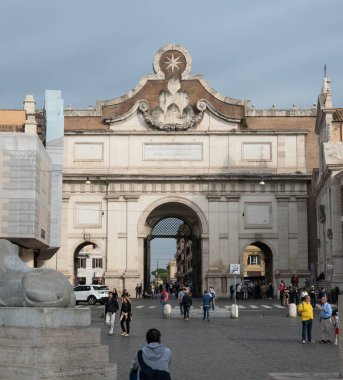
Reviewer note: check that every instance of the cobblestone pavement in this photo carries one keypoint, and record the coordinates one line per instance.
(262, 340)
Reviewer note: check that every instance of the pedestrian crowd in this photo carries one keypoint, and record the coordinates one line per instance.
(153, 360)
(252, 290)
(293, 294)
(112, 306)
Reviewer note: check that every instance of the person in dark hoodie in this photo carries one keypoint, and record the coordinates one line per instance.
(153, 360)
(125, 316)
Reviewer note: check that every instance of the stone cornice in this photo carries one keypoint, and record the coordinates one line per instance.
(213, 197)
(274, 112)
(112, 196)
(131, 197)
(231, 177)
(152, 132)
(232, 197)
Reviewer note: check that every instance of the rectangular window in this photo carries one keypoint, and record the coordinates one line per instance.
(82, 262)
(96, 263)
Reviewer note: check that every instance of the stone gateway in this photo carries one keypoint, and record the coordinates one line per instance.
(234, 178)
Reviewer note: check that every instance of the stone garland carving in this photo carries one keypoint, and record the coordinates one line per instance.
(174, 112)
(21, 285)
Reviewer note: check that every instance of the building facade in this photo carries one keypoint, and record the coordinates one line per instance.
(30, 181)
(174, 148)
(327, 189)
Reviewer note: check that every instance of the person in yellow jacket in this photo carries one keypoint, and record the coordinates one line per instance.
(305, 309)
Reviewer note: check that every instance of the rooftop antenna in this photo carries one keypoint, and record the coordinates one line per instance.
(325, 71)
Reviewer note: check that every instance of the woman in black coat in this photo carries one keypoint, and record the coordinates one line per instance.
(125, 316)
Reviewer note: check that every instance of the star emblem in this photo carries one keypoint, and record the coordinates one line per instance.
(173, 62)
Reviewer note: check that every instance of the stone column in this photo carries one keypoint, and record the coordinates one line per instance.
(285, 257)
(302, 237)
(114, 269)
(133, 268)
(213, 223)
(336, 238)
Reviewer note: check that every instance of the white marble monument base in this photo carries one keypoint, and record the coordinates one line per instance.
(43, 343)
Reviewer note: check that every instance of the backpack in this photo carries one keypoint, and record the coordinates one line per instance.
(147, 373)
(163, 296)
(186, 300)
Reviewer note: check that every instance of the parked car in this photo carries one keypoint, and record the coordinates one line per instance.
(91, 294)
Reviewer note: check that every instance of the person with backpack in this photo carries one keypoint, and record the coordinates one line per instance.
(111, 307)
(153, 360)
(186, 304)
(163, 298)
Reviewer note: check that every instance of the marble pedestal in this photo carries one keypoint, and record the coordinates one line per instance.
(51, 343)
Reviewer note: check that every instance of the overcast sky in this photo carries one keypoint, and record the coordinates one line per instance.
(268, 51)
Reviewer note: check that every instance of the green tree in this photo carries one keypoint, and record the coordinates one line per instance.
(162, 274)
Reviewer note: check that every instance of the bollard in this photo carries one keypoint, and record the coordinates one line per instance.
(234, 311)
(292, 310)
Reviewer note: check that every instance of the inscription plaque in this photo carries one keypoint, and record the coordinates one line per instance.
(191, 152)
(256, 152)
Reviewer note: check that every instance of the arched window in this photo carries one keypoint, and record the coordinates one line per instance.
(254, 260)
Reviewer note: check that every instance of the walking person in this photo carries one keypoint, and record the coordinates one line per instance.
(212, 295)
(152, 289)
(286, 296)
(313, 296)
(186, 304)
(163, 298)
(232, 291)
(335, 321)
(303, 294)
(282, 287)
(153, 360)
(325, 320)
(305, 309)
(125, 316)
(115, 293)
(140, 290)
(206, 300)
(111, 307)
(180, 297)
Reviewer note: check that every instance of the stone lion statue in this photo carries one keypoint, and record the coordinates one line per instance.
(21, 285)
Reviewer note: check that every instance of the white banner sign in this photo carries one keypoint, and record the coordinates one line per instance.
(235, 268)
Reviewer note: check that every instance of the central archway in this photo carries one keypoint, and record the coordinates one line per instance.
(180, 222)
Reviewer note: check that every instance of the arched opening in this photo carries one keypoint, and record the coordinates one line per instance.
(88, 264)
(179, 227)
(258, 263)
